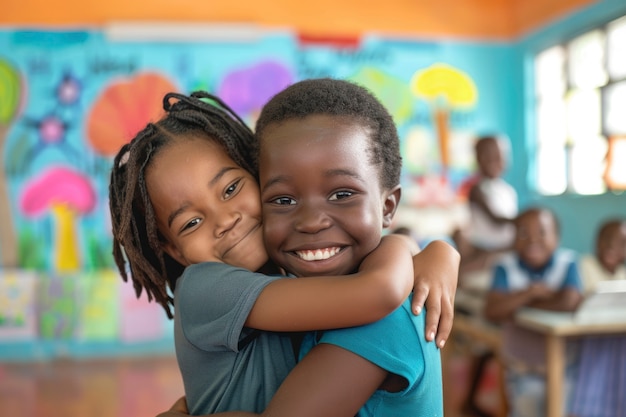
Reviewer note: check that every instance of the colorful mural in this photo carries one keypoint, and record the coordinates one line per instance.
(247, 89)
(445, 88)
(87, 96)
(91, 96)
(65, 194)
(11, 98)
(18, 308)
(123, 108)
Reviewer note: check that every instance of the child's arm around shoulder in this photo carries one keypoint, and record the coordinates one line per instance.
(436, 270)
(383, 282)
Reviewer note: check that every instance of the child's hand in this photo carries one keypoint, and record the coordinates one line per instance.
(540, 291)
(177, 410)
(436, 270)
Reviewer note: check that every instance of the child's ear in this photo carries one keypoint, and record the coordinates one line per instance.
(391, 202)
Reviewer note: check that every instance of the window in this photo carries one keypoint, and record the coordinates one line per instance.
(581, 113)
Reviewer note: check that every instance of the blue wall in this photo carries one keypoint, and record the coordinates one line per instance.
(580, 216)
(115, 87)
(82, 95)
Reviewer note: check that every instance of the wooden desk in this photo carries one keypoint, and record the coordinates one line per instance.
(472, 332)
(468, 319)
(557, 327)
(479, 330)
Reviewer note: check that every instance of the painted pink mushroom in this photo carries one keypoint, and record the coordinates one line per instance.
(65, 194)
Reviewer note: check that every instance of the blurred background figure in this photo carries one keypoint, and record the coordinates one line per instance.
(492, 206)
(599, 391)
(607, 262)
(539, 274)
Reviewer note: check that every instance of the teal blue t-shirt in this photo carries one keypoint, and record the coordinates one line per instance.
(396, 343)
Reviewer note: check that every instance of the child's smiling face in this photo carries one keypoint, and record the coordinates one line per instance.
(611, 248)
(537, 237)
(207, 207)
(490, 158)
(323, 204)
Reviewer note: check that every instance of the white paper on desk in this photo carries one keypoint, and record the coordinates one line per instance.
(606, 305)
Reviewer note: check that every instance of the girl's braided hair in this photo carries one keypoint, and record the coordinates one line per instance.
(136, 240)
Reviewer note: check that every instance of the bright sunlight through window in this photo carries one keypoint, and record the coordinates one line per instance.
(581, 113)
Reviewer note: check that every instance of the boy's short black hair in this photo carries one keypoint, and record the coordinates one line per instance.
(500, 140)
(537, 210)
(607, 227)
(326, 96)
(482, 141)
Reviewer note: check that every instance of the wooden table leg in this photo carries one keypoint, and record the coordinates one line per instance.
(555, 362)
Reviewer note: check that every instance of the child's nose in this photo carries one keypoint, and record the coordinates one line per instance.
(224, 222)
(311, 220)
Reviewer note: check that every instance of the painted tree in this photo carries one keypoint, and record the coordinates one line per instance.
(389, 90)
(445, 88)
(11, 98)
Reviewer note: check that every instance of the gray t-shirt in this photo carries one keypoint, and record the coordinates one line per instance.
(212, 302)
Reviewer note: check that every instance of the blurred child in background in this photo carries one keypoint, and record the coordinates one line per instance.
(607, 263)
(492, 208)
(489, 233)
(537, 274)
(601, 387)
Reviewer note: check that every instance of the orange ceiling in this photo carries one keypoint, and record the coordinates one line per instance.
(488, 19)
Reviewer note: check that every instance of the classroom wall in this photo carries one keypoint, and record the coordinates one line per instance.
(71, 98)
(71, 95)
(580, 216)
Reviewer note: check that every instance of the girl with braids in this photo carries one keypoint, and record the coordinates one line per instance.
(329, 173)
(186, 216)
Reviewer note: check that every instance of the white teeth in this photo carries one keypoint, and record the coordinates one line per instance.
(318, 254)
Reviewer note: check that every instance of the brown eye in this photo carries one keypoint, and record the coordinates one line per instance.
(190, 224)
(230, 190)
(283, 201)
(340, 195)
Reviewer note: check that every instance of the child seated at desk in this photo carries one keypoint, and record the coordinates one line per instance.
(607, 263)
(601, 387)
(536, 274)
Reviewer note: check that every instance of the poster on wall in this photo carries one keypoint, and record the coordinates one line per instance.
(57, 303)
(98, 306)
(18, 305)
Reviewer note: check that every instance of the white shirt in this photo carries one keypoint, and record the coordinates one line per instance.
(502, 199)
